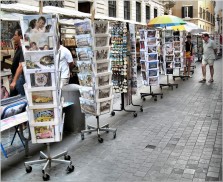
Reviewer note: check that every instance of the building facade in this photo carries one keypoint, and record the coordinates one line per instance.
(201, 12)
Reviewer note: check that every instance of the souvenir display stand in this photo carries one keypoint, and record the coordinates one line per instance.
(168, 56)
(94, 72)
(149, 61)
(179, 59)
(121, 67)
(133, 65)
(42, 88)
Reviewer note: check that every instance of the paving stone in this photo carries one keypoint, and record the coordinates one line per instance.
(212, 174)
(177, 171)
(189, 171)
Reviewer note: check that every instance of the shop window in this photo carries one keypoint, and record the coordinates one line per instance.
(155, 13)
(84, 7)
(54, 3)
(9, 2)
(138, 11)
(187, 12)
(147, 13)
(112, 8)
(127, 10)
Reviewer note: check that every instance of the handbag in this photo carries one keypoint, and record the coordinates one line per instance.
(188, 54)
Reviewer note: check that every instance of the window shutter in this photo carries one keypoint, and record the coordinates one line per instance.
(182, 12)
(191, 11)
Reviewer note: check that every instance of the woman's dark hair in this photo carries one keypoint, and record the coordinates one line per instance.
(188, 36)
(19, 31)
(206, 34)
(42, 18)
(32, 23)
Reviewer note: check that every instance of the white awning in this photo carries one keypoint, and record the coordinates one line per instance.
(18, 7)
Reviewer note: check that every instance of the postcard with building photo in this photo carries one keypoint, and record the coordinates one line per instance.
(103, 80)
(177, 44)
(83, 40)
(168, 33)
(84, 66)
(84, 53)
(101, 41)
(169, 48)
(103, 93)
(88, 106)
(151, 33)
(153, 80)
(87, 93)
(85, 80)
(101, 53)
(102, 67)
(151, 49)
(152, 56)
(83, 26)
(100, 27)
(152, 64)
(40, 60)
(151, 41)
(105, 106)
(152, 73)
(41, 79)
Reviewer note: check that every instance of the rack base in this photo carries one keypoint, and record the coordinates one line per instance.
(143, 95)
(97, 129)
(47, 159)
(169, 85)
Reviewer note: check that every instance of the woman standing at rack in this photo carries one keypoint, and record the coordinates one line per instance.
(189, 55)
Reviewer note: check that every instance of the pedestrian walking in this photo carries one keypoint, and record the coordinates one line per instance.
(209, 55)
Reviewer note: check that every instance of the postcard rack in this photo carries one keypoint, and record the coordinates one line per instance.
(123, 65)
(149, 61)
(168, 56)
(92, 39)
(42, 88)
(179, 45)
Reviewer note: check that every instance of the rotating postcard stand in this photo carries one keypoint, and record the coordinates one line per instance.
(149, 61)
(120, 64)
(168, 57)
(42, 88)
(179, 47)
(94, 72)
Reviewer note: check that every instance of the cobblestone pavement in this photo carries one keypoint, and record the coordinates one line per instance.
(177, 138)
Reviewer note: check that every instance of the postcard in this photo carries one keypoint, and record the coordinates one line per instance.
(151, 49)
(152, 56)
(153, 80)
(100, 27)
(142, 34)
(83, 40)
(151, 41)
(152, 73)
(44, 132)
(83, 27)
(41, 79)
(84, 53)
(84, 66)
(151, 33)
(153, 64)
(43, 115)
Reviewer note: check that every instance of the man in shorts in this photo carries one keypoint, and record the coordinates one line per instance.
(209, 55)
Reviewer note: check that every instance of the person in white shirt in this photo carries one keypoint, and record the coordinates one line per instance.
(209, 55)
(65, 64)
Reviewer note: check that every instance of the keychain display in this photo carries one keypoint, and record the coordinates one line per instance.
(118, 57)
(94, 66)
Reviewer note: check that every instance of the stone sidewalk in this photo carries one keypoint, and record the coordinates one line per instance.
(177, 138)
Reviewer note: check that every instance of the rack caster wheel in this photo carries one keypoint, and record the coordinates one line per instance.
(114, 135)
(89, 129)
(141, 109)
(82, 136)
(144, 99)
(29, 169)
(161, 96)
(112, 113)
(135, 114)
(100, 140)
(67, 157)
(176, 86)
(70, 168)
(46, 177)
(155, 98)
